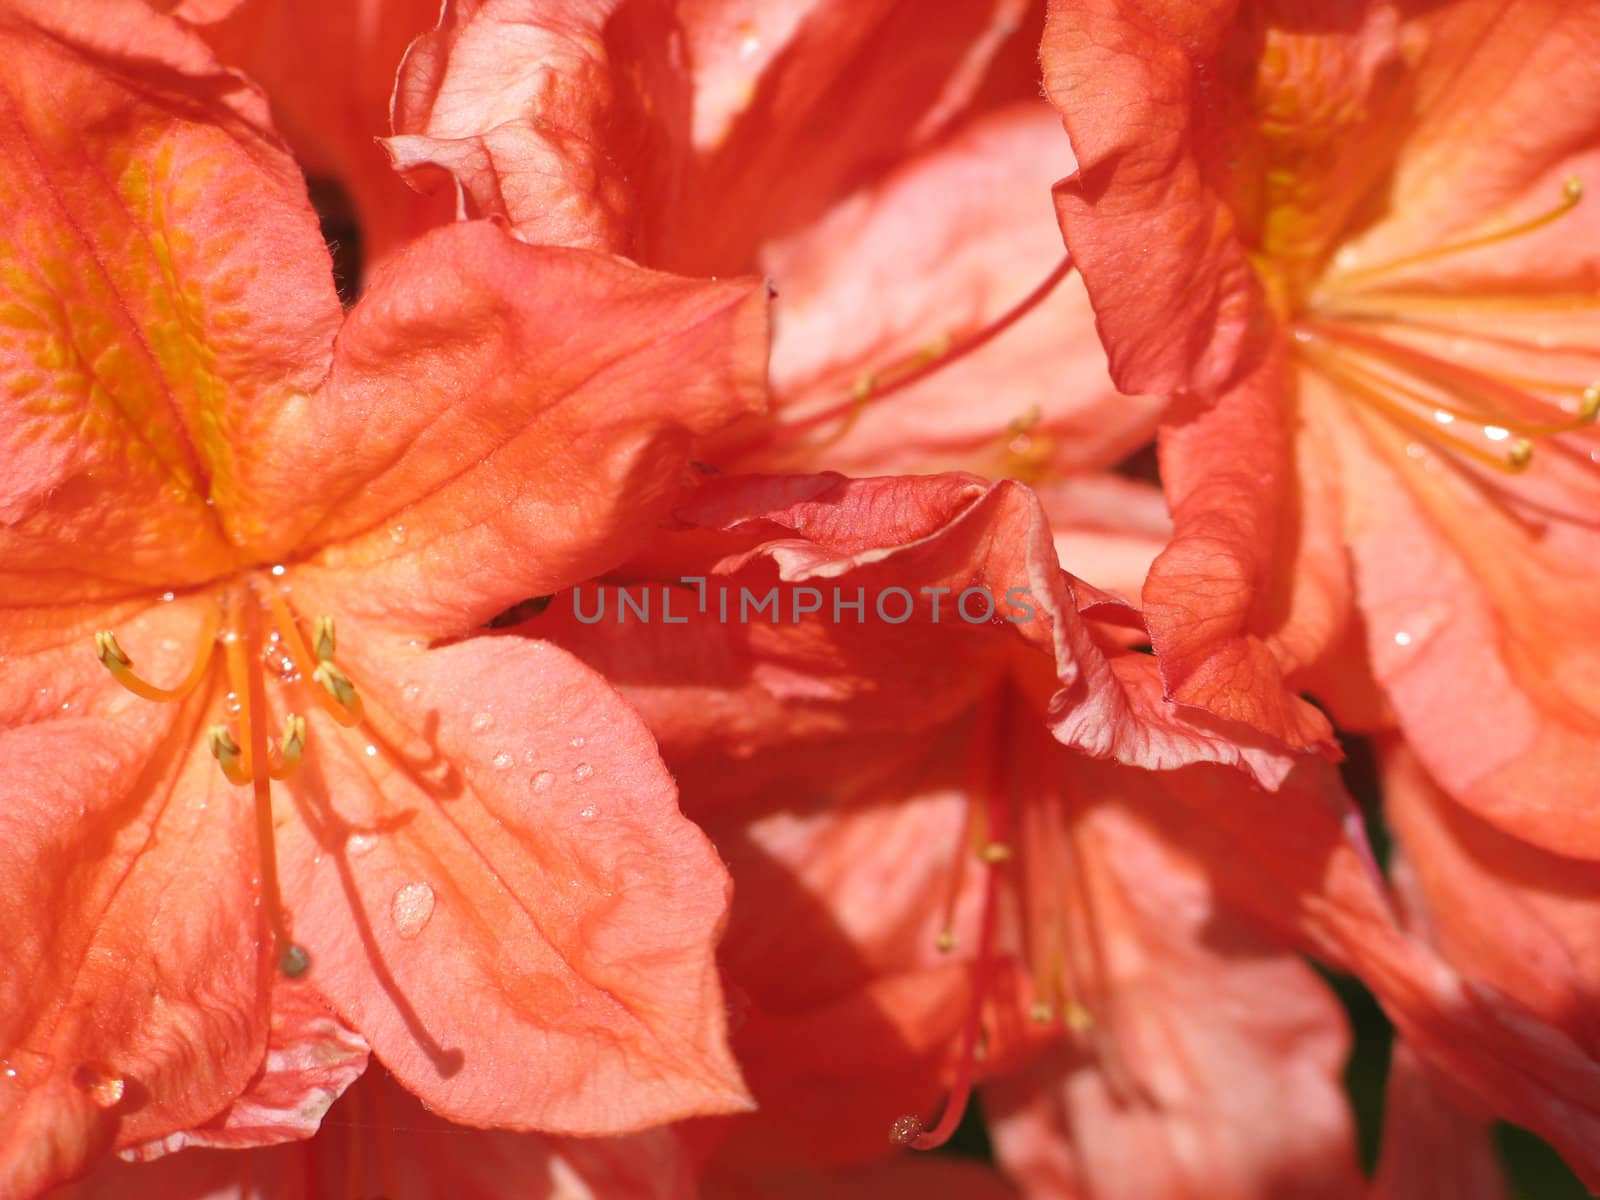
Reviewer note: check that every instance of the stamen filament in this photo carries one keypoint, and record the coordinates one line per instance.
(116, 660)
(327, 690)
(292, 959)
(1514, 457)
(1571, 194)
(1477, 386)
(869, 388)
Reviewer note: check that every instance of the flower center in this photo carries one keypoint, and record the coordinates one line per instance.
(1433, 364)
(256, 627)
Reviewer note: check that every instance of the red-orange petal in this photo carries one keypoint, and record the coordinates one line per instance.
(164, 291)
(501, 421)
(494, 885)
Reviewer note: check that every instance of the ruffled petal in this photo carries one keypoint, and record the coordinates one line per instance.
(1254, 584)
(312, 1057)
(496, 888)
(501, 421)
(578, 126)
(908, 549)
(164, 291)
(380, 1141)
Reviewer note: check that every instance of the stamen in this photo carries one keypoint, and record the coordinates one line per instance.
(337, 684)
(1495, 400)
(115, 659)
(1571, 194)
(292, 959)
(909, 1130)
(226, 751)
(291, 747)
(322, 639)
(1495, 446)
(329, 680)
(934, 357)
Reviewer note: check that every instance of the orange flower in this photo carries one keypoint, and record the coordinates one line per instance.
(885, 163)
(963, 825)
(298, 751)
(1355, 247)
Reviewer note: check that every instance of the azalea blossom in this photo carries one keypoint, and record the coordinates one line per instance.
(1359, 255)
(254, 737)
(994, 844)
(885, 165)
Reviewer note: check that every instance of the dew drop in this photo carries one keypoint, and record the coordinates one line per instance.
(543, 781)
(294, 962)
(360, 843)
(231, 703)
(397, 535)
(576, 743)
(167, 597)
(582, 771)
(501, 761)
(411, 909)
(105, 1090)
(277, 568)
(372, 751)
(588, 810)
(410, 693)
(482, 721)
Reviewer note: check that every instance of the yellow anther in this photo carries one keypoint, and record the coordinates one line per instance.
(111, 654)
(1519, 454)
(1589, 403)
(337, 684)
(866, 383)
(1078, 1018)
(994, 853)
(227, 753)
(1572, 189)
(322, 639)
(946, 941)
(291, 746)
(1041, 1013)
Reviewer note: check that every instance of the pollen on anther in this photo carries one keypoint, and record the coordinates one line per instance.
(946, 941)
(995, 853)
(905, 1130)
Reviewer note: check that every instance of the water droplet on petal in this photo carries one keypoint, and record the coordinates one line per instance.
(582, 771)
(410, 693)
(105, 1090)
(411, 909)
(277, 568)
(482, 721)
(588, 810)
(167, 597)
(576, 743)
(360, 843)
(372, 751)
(397, 535)
(543, 781)
(501, 761)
